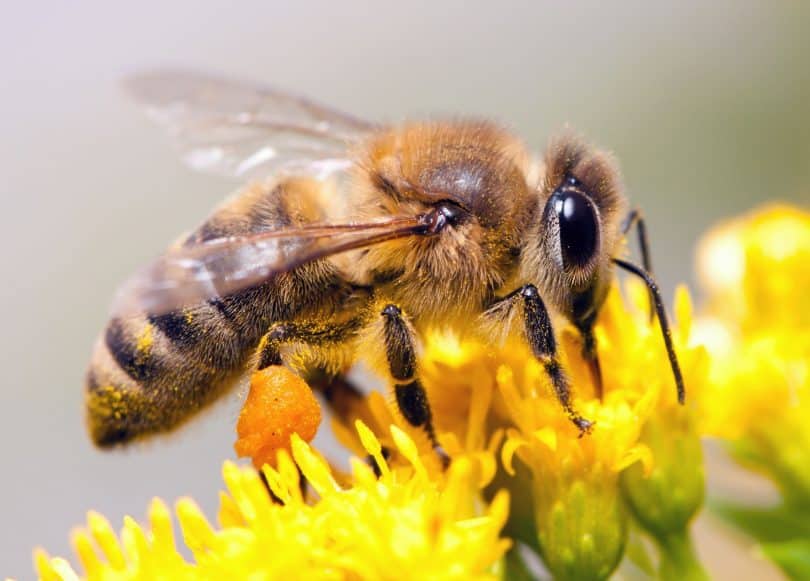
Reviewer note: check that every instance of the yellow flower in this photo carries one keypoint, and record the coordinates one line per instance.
(379, 528)
(665, 498)
(496, 416)
(757, 271)
(579, 507)
(495, 407)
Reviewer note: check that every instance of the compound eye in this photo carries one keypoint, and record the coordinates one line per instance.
(451, 212)
(578, 227)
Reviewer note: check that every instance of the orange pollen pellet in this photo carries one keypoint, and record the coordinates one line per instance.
(278, 405)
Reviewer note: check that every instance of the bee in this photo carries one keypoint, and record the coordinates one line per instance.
(352, 240)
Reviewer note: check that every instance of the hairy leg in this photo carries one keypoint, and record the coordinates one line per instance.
(540, 336)
(400, 351)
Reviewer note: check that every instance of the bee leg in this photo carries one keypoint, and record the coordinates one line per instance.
(540, 336)
(590, 354)
(310, 334)
(411, 397)
(663, 322)
(338, 392)
(592, 359)
(635, 218)
(341, 395)
(343, 399)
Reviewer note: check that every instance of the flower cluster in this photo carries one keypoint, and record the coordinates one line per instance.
(521, 476)
(498, 419)
(642, 458)
(756, 270)
(381, 524)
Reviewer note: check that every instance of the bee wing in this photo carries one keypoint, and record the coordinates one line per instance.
(238, 129)
(192, 274)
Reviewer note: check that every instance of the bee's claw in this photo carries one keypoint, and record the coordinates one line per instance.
(444, 458)
(584, 426)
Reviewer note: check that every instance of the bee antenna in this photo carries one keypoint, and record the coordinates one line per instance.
(662, 321)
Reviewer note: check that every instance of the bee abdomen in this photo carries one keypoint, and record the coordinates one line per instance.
(133, 353)
(150, 372)
(146, 377)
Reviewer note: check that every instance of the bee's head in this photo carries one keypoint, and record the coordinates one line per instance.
(577, 231)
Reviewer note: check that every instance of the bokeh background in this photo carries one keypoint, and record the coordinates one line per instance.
(707, 105)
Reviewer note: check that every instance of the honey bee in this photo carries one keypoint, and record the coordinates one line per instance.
(355, 239)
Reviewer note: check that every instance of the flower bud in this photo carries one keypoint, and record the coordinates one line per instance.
(666, 500)
(581, 525)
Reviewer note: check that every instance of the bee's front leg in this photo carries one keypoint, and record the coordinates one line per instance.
(636, 218)
(540, 336)
(411, 396)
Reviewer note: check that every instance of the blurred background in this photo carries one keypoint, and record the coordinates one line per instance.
(706, 105)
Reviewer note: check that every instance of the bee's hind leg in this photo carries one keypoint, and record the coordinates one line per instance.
(340, 394)
(312, 334)
(411, 396)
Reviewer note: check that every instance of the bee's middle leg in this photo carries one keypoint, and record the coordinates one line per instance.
(411, 396)
(590, 353)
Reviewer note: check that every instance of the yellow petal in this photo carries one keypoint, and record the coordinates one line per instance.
(105, 538)
(84, 549)
(408, 449)
(63, 570)
(160, 520)
(547, 436)
(639, 452)
(513, 443)
(372, 446)
(313, 467)
(42, 564)
(197, 532)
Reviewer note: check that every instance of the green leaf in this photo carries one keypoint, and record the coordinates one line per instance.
(793, 557)
(766, 525)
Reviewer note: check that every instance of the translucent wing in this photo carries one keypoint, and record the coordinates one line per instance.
(237, 129)
(189, 275)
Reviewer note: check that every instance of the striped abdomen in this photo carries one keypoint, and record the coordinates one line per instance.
(150, 372)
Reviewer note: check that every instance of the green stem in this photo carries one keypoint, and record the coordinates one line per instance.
(679, 561)
(515, 568)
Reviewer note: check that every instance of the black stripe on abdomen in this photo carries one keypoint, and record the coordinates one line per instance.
(177, 327)
(224, 307)
(137, 362)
